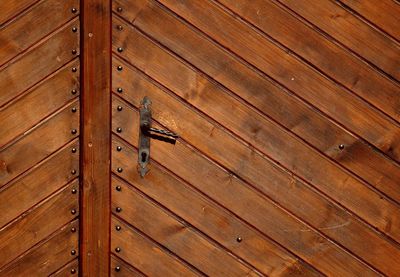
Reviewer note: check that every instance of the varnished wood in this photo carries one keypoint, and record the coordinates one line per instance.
(95, 140)
(41, 61)
(48, 16)
(68, 270)
(46, 257)
(38, 143)
(23, 193)
(125, 269)
(47, 97)
(145, 255)
(10, 8)
(34, 226)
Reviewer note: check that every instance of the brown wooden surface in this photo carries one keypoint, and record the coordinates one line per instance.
(68, 270)
(124, 270)
(95, 143)
(262, 100)
(11, 8)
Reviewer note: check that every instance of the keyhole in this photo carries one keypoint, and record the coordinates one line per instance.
(144, 157)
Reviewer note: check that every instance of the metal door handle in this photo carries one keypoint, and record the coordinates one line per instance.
(146, 132)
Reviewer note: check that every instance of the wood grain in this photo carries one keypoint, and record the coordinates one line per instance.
(176, 236)
(34, 226)
(324, 94)
(10, 8)
(25, 192)
(47, 257)
(25, 71)
(68, 270)
(95, 139)
(124, 270)
(38, 143)
(256, 130)
(19, 35)
(47, 97)
(352, 32)
(297, 117)
(145, 255)
(384, 14)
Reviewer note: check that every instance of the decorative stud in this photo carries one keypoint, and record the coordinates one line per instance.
(73, 211)
(74, 191)
(120, 28)
(73, 110)
(119, 108)
(119, 68)
(73, 271)
(74, 10)
(119, 169)
(119, 9)
(239, 239)
(74, 131)
(117, 249)
(119, 148)
(74, 69)
(117, 268)
(118, 188)
(73, 252)
(74, 29)
(74, 52)
(73, 171)
(119, 130)
(120, 49)
(74, 91)
(119, 90)
(341, 146)
(73, 229)
(118, 209)
(73, 150)
(118, 228)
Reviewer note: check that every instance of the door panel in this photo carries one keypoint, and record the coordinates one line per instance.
(277, 164)
(39, 137)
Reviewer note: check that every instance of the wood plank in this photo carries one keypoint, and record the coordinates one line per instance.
(176, 236)
(34, 226)
(46, 98)
(25, 71)
(327, 56)
(331, 99)
(123, 269)
(351, 32)
(47, 257)
(144, 254)
(10, 8)
(210, 218)
(39, 143)
(25, 192)
(95, 154)
(68, 270)
(259, 132)
(47, 16)
(265, 215)
(384, 14)
(300, 119)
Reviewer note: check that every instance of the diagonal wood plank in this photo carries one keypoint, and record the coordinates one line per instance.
(11, 8)
(47, 257)
(68, 270)
(46, 17)
(23, 72)
(300, 119)
(46, 97)
(210, 218)
(331, 99)
(260, 133)
(352, 32)
(25, 192)
(39, 143)
(119, 268)
(144, 254)
(34, 226)
(176, 236)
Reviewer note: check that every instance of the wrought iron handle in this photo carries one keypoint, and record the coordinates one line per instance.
(147, 132)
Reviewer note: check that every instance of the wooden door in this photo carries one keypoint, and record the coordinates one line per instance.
(287, 161)
(39, 129)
